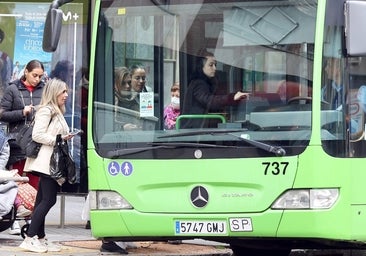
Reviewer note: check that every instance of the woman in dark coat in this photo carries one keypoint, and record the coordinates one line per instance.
(200, 96)
(18, 107)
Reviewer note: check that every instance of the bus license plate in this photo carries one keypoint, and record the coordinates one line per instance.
(241, 224)
(200, 227)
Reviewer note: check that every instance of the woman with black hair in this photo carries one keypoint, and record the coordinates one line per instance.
(138, 84)
(18, 108)
(200, 97)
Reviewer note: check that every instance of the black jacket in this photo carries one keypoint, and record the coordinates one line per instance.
(16, 96)
(12, 104)
(200, 98)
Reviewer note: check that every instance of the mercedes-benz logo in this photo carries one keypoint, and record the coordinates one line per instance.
(199, 196)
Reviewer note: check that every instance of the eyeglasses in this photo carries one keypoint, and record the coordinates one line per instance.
(138, 78)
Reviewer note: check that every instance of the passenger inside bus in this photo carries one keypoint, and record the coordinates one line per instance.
(200, 97)
(122, 88)
(123, 97)
(332, 90)
(138, 84)
(332, 93)
(128, 115)
(172, 110)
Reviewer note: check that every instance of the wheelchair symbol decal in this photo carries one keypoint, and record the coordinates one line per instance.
(113, 168)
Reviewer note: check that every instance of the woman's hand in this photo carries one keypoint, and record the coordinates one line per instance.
(27, 109)
(67, 136)
(72, 134)
(241, 95)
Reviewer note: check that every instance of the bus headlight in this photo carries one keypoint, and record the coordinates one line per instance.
(107, 200)
(307, 199)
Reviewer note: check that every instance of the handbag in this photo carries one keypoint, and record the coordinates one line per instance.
(25, 141)
(62, 166)
(24, 137)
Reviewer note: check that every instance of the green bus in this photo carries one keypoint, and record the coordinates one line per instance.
(280, 170)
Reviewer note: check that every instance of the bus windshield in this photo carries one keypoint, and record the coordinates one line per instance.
(262, 48)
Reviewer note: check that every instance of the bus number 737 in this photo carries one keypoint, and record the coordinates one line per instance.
(275, 168)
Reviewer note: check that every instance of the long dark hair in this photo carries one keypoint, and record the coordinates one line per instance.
(133, 69)
(32, 65)
(200, 62)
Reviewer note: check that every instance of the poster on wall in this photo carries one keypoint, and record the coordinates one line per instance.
(28, 40)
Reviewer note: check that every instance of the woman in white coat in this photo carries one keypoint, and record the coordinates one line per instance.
(49, 121)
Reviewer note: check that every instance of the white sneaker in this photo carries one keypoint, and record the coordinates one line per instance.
(51, 247)
(15, 228)
(23, 212)
(33, 244)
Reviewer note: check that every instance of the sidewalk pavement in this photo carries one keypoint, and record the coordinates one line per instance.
(76, 240)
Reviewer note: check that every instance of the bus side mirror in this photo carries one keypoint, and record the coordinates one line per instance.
(52, 30)
(52, 27)
(355, 23)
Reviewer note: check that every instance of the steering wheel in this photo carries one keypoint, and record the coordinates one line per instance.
(298, 99)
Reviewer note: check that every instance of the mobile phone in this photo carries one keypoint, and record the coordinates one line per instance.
(76, 131)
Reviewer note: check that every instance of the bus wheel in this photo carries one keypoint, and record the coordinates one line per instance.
(243, 251)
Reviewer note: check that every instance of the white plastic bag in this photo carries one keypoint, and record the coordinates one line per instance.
(86, 210)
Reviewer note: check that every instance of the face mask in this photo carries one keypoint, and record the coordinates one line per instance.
(175, 102)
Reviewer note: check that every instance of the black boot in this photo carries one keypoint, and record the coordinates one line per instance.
(110, 246)
(87, 225)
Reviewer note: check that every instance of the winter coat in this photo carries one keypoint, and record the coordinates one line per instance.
(45, 132)
(200, 98)
(170, 117)
(16, 96)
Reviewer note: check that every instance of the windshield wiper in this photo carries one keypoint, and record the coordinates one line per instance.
(128, 151)
(278, 151)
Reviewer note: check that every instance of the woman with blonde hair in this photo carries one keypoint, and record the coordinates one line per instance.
(49, 122)
(122, 88)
